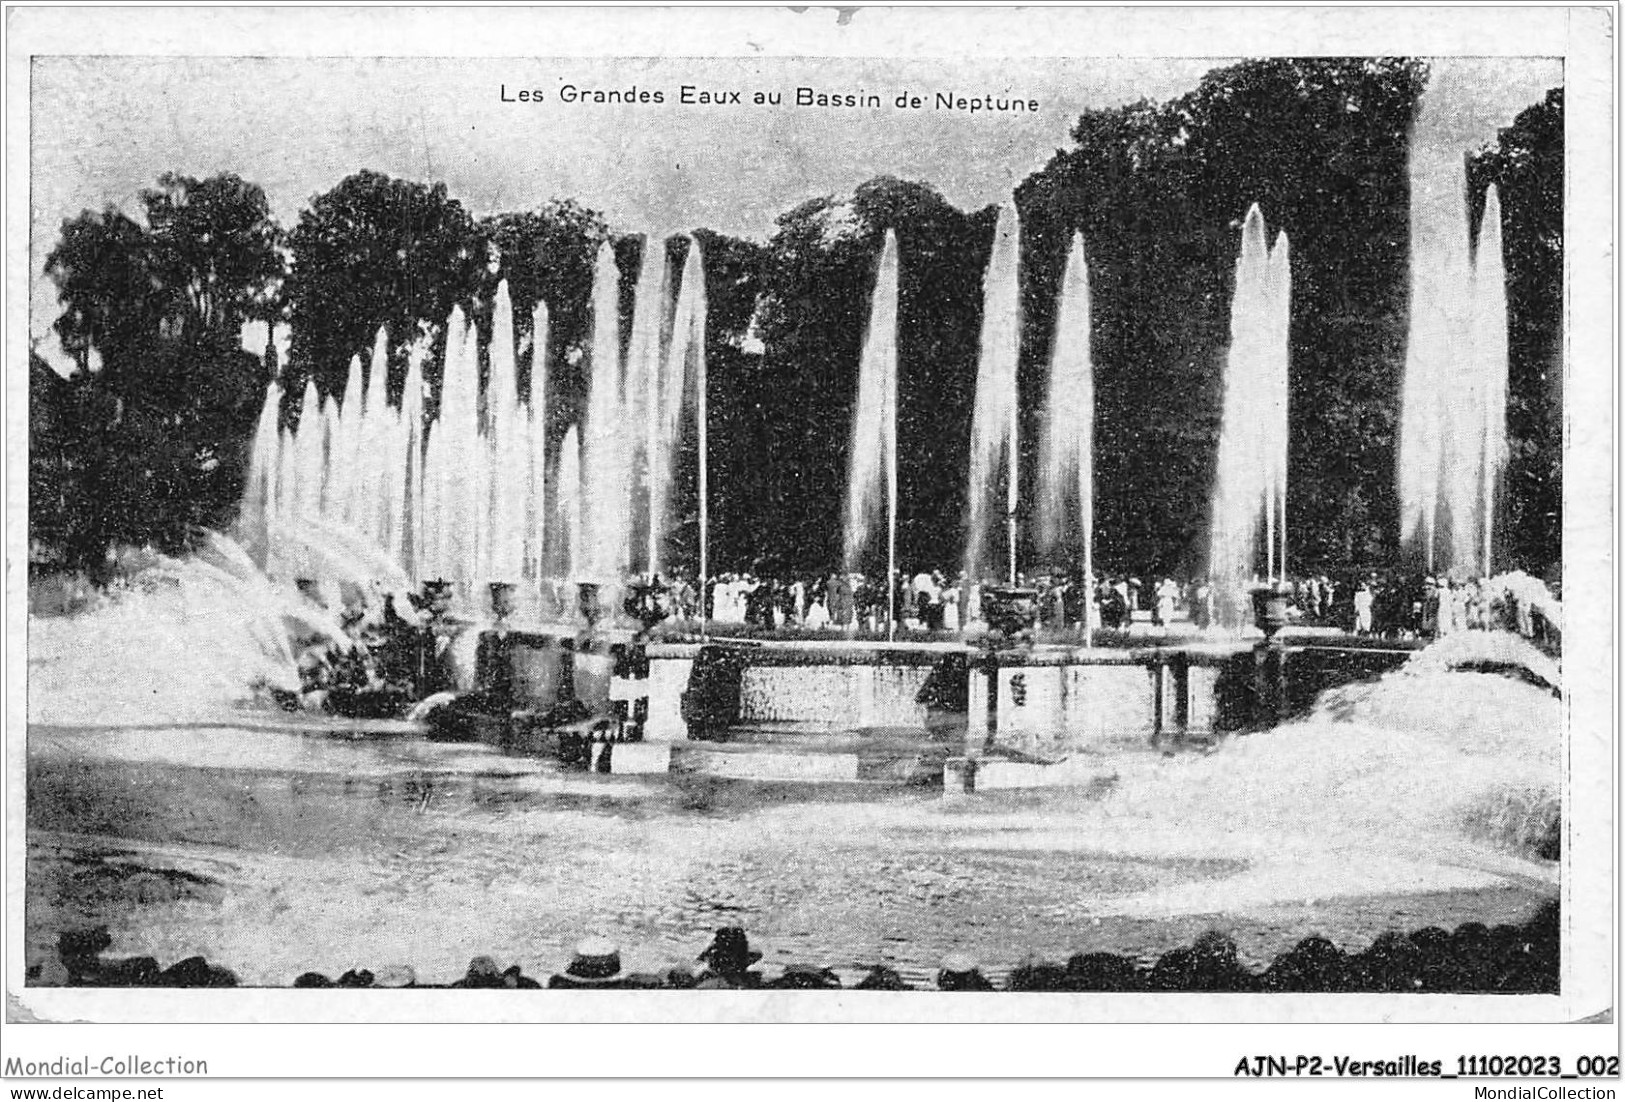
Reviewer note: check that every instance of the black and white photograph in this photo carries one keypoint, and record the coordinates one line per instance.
(552, 535)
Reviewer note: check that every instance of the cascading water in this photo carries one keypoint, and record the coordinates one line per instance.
(1249, 495)
(993, 426)
(179, 640)
(1453, 418)
(873, 470)
(1066, 467)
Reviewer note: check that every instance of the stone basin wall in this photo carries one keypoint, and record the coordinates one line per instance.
(1047, 701)
(1050, 701)
(837, 696)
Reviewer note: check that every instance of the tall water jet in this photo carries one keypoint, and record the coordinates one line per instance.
(1277, 429)
(259, 505)
(1491, 354)
(872, 480)
(565, 553)
(435, 563)
(993, 426)
(311, 458)
(285, 502)
(536, 409)
(456, 458)
(332, 449)
(408, 551)
(362, 481)
(1249, 490)
(641, 388)
(507, 448)
(344, 473)
(391, 484)
(685, 358)
(1439, 269)
(368, 471)
(431, 558)
(1453, 416)
(607, 504)
(1066, 465)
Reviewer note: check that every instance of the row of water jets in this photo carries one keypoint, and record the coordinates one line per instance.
(369, 489)
(1065, 513)
(1453, 430)
(1453, 442)
(366, 490)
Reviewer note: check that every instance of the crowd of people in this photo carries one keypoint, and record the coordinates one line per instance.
(1386, 604)
(398, 643)
(1472, 958)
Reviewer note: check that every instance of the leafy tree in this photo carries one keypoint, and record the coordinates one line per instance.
(214, 249)
(547, 255)
(375, 251)
(737, 424)
(147, 467)
(52, 503)
(152, 446)
(816, 294)
(734, 269)
(154, 443)
(102, 267)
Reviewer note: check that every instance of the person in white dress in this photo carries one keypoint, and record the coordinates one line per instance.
(1167, 594)
(817, 617)
(1363, 600)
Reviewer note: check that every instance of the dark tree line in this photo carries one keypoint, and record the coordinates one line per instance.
(150, 443)
(147, 448)
(1160, 192)
(816, 292)
(1526, 165)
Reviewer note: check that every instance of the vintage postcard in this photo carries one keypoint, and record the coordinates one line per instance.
(836, 515)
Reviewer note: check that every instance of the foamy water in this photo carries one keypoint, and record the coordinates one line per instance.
(184, 641)
(164, 803)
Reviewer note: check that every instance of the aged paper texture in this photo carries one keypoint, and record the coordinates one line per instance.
(931, 515)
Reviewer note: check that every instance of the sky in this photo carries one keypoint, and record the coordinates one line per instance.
(102, 128)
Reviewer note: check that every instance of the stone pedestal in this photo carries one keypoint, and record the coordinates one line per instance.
(981, 713)
(639, 758)
(1203, 699)
(668, 679)
(958, 776)
(1172, 687)
(1270, 702)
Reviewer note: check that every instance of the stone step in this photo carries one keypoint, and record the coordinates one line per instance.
(993, 774)
(765, 765)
